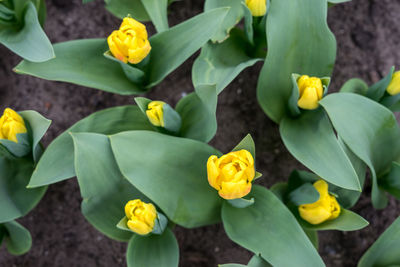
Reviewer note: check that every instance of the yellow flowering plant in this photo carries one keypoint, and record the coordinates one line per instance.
(129, 61)
(20, 149)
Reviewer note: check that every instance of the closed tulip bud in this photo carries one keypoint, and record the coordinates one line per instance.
(325, 208)
(258, 8)
(231, 174)
(310, 91)
(129, 43)
(155, 113)
(141, 216)
(11, 124)
(394, 85)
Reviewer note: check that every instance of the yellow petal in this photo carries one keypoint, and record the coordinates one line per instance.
(315, 215)
(258, 8)
(11, 124)
(394, 85)
(139, 227)
(130, 43)
(213, 172)
(155, 113)
(309, 99)
(233, 190)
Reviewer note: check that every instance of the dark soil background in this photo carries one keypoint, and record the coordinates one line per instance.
(368, 45)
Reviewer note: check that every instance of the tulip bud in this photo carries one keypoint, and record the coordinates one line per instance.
(325, 208)
(394, 85)
(160, 114)
(11, 124)
(231, 174)
(258, 8)
(310, 90)
(141, 216)
(129, 43)
(155, 113)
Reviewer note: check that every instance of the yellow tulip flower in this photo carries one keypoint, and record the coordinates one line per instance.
(141, 216)
(155, 113)
(325, 208)
(231, 174)
(394, 85)
(310, 90)
(258, 8)
(11, 124)
(129, 43)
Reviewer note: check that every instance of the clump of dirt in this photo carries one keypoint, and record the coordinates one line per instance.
(368, 45)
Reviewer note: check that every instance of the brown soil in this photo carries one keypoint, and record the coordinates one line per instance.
(368, 45)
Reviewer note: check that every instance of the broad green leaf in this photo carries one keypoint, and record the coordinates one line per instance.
(123, 8)
(248, 144)
(311, 140)
(241, 203)
(305, 46)
(157, 11)
(171, 48)
(29, 42)
(313, 236)
(39, 126)
(197, 111)
(304, 194)
(171, 171)
(257, 261)
(348, 198)
(232, 265)
(391, 181)
(103, 188)
(269, 229)
(154, 250)
(385, 250)
(338, 1)
(18, 239)
(82, 62)
(235, 14)
(355, 85)
(369, 130)
(221, 63)
(376, 91)
(57, 162)
(15, 199)
(347, 221)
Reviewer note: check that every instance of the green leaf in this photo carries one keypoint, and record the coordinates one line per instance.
(241, 202)
(391, 181)
(348, 198)
(376, 91)
(247, 143)
(15, 199)
(123, 8)
(221, 63)
(305, 46)
(39, 126)
(311, 139)
(385, 251)
(369, 130)
(313, 236)
(304, 194)
(269, 228)
(123, 224)
(20, 148)
(356, 86)
(82, 62)
(157, 11)
(154, 250)
(29, 42)
(347, 221)
(197, 111)
(18, 239)
(257, 261)
(57, 162)
(171, 171)
(103, 188)
(235, 14)
(171, 48)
